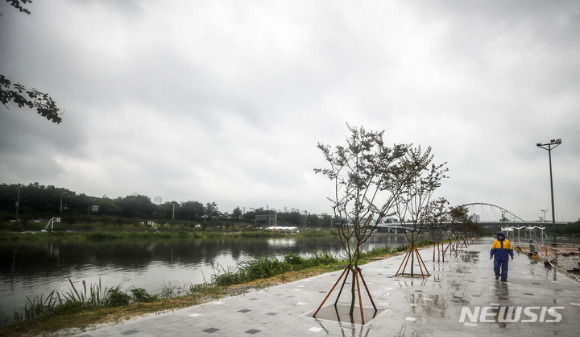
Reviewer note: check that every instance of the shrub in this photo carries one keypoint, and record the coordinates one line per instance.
(117, 298)
(322, 258)
(227, 277)
(101, 236)
(424, 242)
(294, 260)
(401, 248)
(263, 267)
(200, 288)
(377, 251)
(141, 295)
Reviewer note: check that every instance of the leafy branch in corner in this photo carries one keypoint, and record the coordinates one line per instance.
(30, 98)
(19, 4)
(19, 94)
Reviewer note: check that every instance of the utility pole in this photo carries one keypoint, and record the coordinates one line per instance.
(17, 203)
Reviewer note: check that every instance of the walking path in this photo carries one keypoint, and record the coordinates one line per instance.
(434, 306)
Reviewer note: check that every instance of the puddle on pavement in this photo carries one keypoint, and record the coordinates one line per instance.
(470, 256)
(340, 313)
(410, 282)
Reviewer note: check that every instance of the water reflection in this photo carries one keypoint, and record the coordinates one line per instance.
(33, 268)
(291, 242)
(405, 283)
(349, 325)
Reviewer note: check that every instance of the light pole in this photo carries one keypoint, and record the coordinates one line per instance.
(17, 203)
(544, 217)
(549, 147)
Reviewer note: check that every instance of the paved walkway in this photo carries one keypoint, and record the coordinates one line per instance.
(409, 307)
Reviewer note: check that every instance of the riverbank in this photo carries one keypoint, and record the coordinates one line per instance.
(42, 317)
(159, 235)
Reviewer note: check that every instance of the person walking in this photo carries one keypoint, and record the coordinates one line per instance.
(500, 252)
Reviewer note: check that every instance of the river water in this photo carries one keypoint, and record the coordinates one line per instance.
(28, 269)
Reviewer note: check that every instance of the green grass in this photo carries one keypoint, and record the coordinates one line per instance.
(267, 266)
(60, 310)
(147, 234)
(86, 297)
(89, 297)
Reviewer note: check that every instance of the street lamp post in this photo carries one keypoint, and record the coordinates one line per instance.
(17, 203)
(549, 147)
(544, 217)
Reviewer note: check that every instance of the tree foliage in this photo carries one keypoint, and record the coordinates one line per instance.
(366, 175)
(30, 98)
(419, 178)
(211, 210)
(372, 181)
(136, 205)
(42, 202)
(20, 95)
(571, 229)
(237, 213)
(438, 218)
(19, 4)
(461, 225)
(362, 172)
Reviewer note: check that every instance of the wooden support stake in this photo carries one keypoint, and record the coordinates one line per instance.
(418, 261)
(367, 288)
(362, 315)
(331, 290)
(356, 271)
(342, 287)
(421, 262)
(434, 245)
(410, 255)
(405, 258)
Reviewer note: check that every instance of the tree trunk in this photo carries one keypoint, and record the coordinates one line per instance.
(412, 258)
(353, 295)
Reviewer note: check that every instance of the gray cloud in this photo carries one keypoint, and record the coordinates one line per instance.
(226, 100)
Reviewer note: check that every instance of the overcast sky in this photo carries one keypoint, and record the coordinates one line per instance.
(225, 101)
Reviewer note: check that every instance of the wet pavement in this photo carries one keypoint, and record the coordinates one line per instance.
(460, 298)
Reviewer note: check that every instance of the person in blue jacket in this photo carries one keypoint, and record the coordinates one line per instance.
(500, 252)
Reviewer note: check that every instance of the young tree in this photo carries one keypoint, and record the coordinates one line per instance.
(437, 219)
(419, 178)
(459, 217)
(362, 172)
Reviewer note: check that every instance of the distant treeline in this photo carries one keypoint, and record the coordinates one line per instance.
(35, 201)
(44, 202)
(570, 229)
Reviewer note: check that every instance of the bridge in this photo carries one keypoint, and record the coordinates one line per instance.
(493, 218)
(490, 217)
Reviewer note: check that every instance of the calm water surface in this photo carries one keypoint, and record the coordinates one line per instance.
(35, 268)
